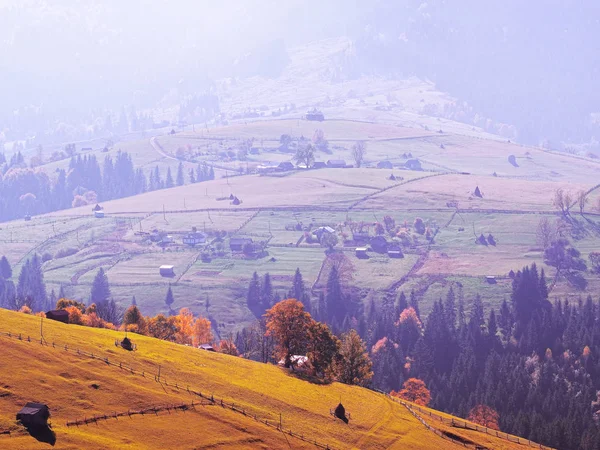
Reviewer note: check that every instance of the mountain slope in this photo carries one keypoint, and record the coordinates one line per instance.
(76, 386)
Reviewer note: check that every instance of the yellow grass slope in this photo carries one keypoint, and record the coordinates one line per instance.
(76, 386)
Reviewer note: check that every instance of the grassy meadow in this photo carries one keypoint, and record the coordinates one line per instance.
(75, 386)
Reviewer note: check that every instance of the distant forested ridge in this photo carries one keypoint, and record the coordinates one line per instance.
(531, 64)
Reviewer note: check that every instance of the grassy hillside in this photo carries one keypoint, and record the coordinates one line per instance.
(75, 386)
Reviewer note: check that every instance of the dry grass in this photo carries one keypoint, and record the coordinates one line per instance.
(498, 193)
(254, 191)
(63, 381)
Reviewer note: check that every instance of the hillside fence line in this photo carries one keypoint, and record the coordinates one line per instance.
(269, 422)
(417, 411)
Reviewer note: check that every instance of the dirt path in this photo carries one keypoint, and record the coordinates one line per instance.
(158, 148)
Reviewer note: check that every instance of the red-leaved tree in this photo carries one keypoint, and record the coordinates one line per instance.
(484, 416)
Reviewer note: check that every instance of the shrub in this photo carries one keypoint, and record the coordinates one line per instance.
(46, 257)
(64, 252)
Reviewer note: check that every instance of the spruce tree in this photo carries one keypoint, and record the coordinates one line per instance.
(334, 298)
(5, 269)
(450, 310)
(402, 303)
(180, 179)
(169, 179)
(267, 292)
(100, 292)
(192, 176)
(169, 299)
(414, 302)
(254, 291)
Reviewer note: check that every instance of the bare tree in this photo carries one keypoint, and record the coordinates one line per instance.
(582, 199)
(359, 149)
(562, 201)
(546, 232)
(305, 155)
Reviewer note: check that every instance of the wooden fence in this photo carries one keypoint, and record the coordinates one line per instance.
(274, 424)
(419, 413)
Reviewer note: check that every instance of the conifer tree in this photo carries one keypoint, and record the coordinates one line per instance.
(180, 179)
(169, 299)
(100, 292)
(254, 292)
(266, 295)
(336, 308)
(169, 179)
(5, 269)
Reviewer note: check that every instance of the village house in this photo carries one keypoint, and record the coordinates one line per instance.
(194, 238)
(315, 114)
(237, 244)
(384, 165)
(285, 166)
(413, 164)
(336, 163)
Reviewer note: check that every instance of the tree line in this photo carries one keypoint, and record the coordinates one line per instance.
(27, 191)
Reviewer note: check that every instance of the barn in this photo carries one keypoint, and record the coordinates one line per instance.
(167, 271)
(384, 165)
(413, 164)
(336, 163)
(237, 244)
(60, 315)
(34, 415)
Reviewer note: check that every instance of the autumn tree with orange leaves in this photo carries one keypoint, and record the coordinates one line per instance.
(202, 332)
(484, 416)
(415, 391)
(288, 323)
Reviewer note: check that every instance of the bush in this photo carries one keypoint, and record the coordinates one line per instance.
(46, 257)
(64, 252)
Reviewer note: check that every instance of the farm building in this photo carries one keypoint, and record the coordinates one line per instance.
(194, 238)
(379, 244)
(413, 164)
(490, 279)
(384, 165)
(296, 360)
(34, 415)
(319, 165)
(168, 239)
(361, 252)
(27, 218)
(336, 163)
(237, 244)
(394, 251)
(315, 114)
(86, 149)
(318, 233)
(60, 315)
(167, 271)
(99, 214)
(97, 208)
(285, 165)
(267, 168)
(207, 347)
